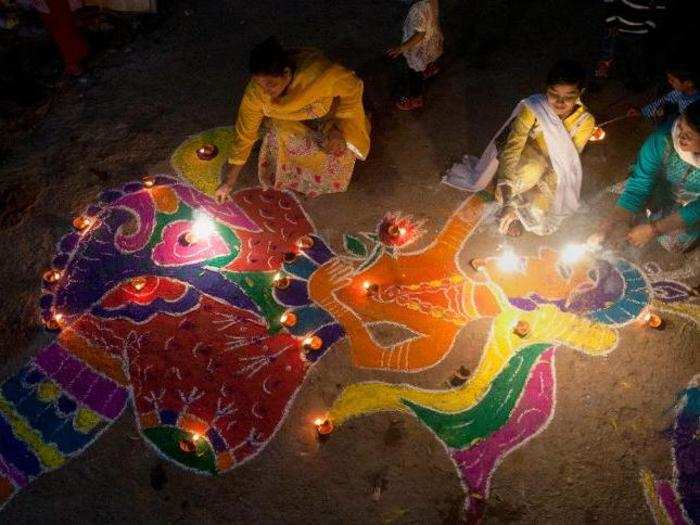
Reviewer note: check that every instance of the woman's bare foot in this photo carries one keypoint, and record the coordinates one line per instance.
(509, 223)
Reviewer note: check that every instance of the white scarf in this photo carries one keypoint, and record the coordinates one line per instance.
(474, 174)
(691, 158)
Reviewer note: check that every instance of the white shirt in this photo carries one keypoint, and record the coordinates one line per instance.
(422, 18)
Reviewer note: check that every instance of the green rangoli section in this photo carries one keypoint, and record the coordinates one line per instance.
(461, 429)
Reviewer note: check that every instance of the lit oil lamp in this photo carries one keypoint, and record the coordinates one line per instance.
(522, 328)
(81, 222)
(52, 276)
(138, 283)
(305, 242)
(370, 288)
(207, 152)
(508, 261)
(597, 135)
(281, 282)
(573, 253)
(187, 446)
(54, 322)
(191, 445)
(312, 342)
(288, 319)
(652, 320)
(396, 231)
(149, 181)
(324, 426)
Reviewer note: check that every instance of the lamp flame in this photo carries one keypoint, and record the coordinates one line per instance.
(324, 426)
(508, 261)
(312, 342)
(597, 135)
(203, 225)
(573, 253)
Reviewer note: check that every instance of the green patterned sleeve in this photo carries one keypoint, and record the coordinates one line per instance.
(640, 186)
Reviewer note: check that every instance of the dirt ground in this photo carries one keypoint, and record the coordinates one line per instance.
(187, 76)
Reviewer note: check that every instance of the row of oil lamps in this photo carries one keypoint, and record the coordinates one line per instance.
(207, 152)
(191, 444)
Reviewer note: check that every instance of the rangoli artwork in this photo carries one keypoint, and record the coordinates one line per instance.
(677, 502)
(206, 318)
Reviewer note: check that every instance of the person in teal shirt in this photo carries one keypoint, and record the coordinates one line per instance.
(665, 183)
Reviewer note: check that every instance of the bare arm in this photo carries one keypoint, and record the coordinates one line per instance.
(415, 39)
(672, 223)
(229, 175)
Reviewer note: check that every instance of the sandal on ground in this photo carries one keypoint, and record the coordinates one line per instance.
(431, 70)
(409, 103)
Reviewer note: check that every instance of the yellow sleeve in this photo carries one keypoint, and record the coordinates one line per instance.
(584, 133)
(350, 114)
(245, 132)
(510, 156)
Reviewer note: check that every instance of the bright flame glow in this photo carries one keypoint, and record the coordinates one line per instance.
(288, 319)
(52, 276)
(58, 317)
(196, 437)
(402, 230)
(573, 253)
(508, 261)
(203, 225)
(366, 285)
(319, 421)
(597, 135)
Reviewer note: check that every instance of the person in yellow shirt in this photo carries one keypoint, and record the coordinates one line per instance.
(538, 180)
(309, 113)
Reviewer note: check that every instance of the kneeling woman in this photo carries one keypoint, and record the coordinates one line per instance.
(535, 156)
(665, 182)
(314, 125)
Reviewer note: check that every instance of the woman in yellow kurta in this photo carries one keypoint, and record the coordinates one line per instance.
(528, 176)
(312, 120)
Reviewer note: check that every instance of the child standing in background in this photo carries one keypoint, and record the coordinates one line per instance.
(631, 36)
(421, 47)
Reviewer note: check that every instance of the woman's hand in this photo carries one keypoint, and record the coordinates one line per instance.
(611, 224)
(409, 44)
(641, 235)
(335, 143)
(223, 193)
(395, 52)
(229, 175)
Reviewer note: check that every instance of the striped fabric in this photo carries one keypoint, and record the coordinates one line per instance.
(672, 97)
(634, 16)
